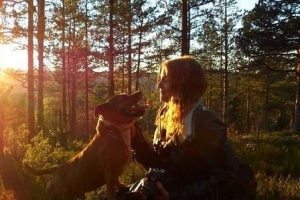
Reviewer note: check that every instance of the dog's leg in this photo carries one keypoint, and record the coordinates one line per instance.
(111, 179)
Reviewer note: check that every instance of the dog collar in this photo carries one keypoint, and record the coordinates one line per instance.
(120, 127)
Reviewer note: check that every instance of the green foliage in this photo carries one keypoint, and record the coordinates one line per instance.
(15, 142)
(6, 194)
(262, 25)
(41, 154)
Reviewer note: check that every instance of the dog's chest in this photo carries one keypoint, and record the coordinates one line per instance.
(125, 135)
(117, 138)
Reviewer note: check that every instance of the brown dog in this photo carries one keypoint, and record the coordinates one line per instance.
(103, 159)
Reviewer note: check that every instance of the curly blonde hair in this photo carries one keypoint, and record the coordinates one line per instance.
(188, 84)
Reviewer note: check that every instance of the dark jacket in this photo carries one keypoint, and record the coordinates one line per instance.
(202, 167)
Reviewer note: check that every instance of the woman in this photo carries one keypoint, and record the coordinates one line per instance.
(190, 143)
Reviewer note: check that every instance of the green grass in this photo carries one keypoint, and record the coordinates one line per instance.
(275, 161)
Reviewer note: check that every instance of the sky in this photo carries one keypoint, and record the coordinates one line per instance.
(17, 59)
(9, 57)
(246, 4)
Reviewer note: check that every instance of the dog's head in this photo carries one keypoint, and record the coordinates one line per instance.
(122, 108)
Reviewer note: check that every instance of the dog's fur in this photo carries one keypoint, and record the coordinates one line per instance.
(103, 159)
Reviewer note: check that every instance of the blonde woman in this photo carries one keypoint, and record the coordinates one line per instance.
(190, 154)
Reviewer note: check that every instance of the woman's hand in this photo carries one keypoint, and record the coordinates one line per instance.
(164, 194)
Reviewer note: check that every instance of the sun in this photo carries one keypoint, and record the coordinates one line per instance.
(12, 58)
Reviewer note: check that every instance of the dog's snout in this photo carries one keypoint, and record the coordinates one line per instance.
(138, 94)
(97, 111)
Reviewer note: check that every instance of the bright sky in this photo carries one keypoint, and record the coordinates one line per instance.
(11, 58)
(247, 4)
(17, 59)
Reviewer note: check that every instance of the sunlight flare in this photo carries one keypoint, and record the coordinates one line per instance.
(11, 58)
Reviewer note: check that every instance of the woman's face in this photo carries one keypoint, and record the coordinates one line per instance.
(164, 86)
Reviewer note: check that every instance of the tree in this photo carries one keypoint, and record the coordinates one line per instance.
(31, 103)
(86, 68)
(135, 21)
(185, 33)
(190, 10)
(63, 121)
(111, 49)
(227, 15)
(217, 52)
(2, 125)
(270, 34)
(40, 39)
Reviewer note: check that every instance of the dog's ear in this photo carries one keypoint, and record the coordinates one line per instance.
(97, 111)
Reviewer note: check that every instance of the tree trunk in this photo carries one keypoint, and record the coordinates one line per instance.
(248, 104)
(72, 64)
(222, 85)
(129, 67)
(31, 118)
(137, 83)
(225, 63)
(86, 77)
(73, 113)
(1, 128)
(184, 29)
(64, 78)
(111, 49)
(266, 106)
(297, 101)
(40, 38)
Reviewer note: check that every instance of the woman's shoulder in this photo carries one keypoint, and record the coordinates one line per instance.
(204, 114)
(207, 122)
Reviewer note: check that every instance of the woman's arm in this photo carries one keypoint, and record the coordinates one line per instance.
(143, 152)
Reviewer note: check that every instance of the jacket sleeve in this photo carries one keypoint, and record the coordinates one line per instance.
(143, 152)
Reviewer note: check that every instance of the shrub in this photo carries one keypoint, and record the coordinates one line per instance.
(41, 154)
(6, 194)
(15, 142)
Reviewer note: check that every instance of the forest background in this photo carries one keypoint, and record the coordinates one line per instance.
(88, 50)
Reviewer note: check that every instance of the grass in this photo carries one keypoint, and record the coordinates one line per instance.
(274, 159)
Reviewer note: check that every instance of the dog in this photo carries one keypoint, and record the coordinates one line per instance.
(104, 158)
